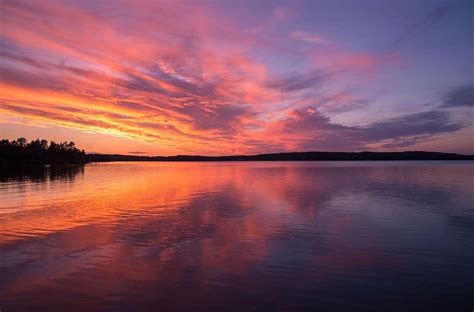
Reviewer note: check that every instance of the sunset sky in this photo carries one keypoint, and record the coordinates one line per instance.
(239, 77)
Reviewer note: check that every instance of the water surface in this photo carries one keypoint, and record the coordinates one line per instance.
(238, 236)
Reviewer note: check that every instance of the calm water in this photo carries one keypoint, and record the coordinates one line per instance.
(239, 236)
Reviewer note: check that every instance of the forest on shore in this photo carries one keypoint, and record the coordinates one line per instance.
(40, 152)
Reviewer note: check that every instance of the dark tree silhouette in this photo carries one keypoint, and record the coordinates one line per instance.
(38, 152)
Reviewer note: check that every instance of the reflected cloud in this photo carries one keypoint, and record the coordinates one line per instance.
(150, 229)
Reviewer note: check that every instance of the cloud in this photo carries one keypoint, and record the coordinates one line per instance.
(425, 22)
(285, 13)
(309, 38)
(308, 129)
(424, 123)
(298, 82)
(343, 60)
(342, 101)
(458, 97)
(30, 80)
(223, 118)
(137, 153)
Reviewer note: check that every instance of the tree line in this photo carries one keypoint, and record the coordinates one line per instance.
(296, 156)
(39, 152)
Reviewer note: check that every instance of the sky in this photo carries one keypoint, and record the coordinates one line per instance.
(239, 77)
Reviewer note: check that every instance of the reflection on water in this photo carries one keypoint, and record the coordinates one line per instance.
(278, 236)
(40, 173)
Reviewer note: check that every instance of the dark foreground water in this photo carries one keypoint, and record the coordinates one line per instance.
(239, 236)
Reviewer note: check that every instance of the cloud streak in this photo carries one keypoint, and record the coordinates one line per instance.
(459, 97)
(309, 38)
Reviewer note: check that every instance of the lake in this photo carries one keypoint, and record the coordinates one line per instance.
(239, 236)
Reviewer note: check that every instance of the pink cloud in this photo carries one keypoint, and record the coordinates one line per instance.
(338, 59)
(309, 38)
(285, 13)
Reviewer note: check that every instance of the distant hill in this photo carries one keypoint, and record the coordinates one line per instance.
(301, 156)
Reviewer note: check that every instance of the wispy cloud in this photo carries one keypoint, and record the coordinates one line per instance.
(285, 13)
(137, 153)
(309, 38)
(458, 97)
(425, 22)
